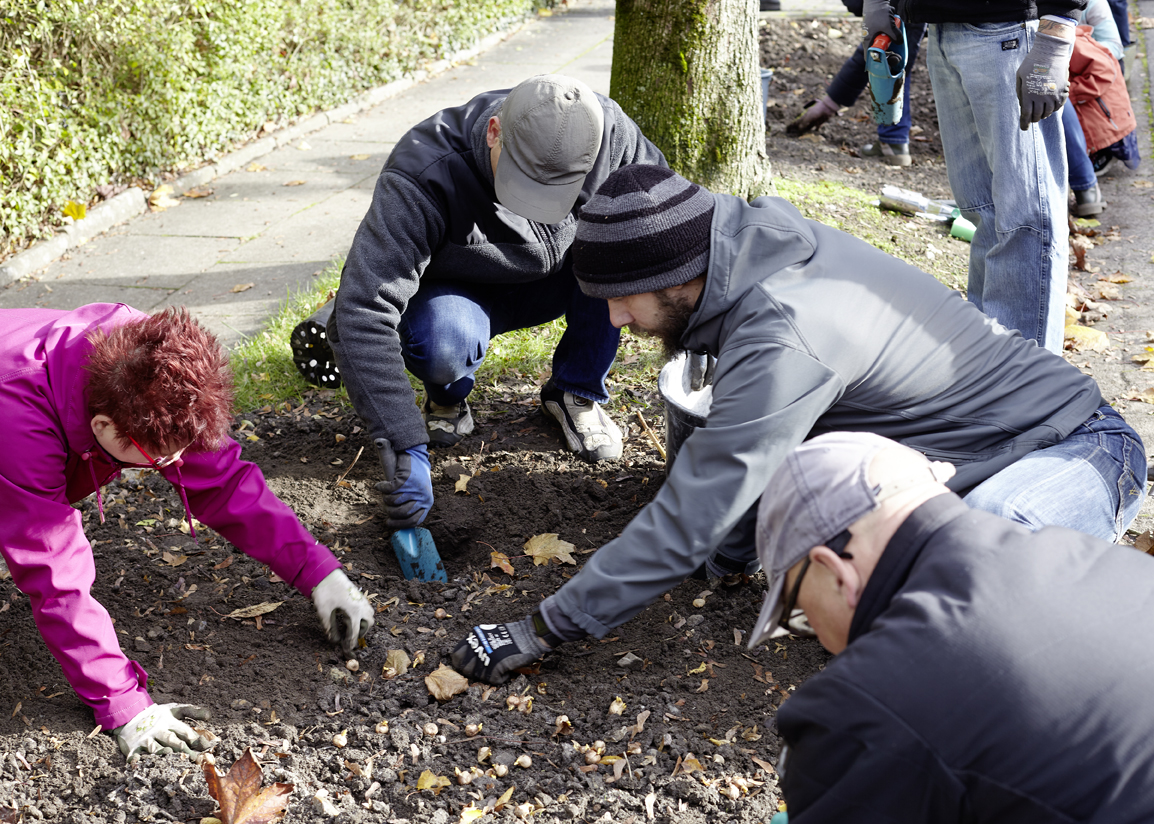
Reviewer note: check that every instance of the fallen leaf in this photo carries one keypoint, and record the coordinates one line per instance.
(691, 764)
(704, 685)
(499, 560)
(198, 192)
(242, 287)
(397, 662)
(462, 483)
(642, 717)
(255, 610)
(431, 781)
(1106, 291)
(295, 183)
(765, 765)
(1118, 277)
(1083, 338)
(445, 682)
(239, 794)
(1145, 542)
(226, 563)
(255, 167)
(171, 559)
(1144, 395)
(161, 198)
(471, 813)
(74, 210)
(548, 547)
(504, 799)
(359, 157)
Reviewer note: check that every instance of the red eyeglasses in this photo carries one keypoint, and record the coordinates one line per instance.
(154, 463)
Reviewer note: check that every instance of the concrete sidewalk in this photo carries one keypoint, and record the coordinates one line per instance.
(283, 215)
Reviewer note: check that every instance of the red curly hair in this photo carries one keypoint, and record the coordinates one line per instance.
(163, 381)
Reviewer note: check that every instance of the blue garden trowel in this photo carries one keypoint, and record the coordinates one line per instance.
(416, 551)
(886, 67)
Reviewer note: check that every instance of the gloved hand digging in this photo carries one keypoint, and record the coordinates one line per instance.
(408, 484)
(345, 613)
(1044, 76)
(159, 729)
(492, 652)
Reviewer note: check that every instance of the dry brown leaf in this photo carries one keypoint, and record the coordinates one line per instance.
(255, 167)
(499, 560)
(226, 563)
(359, 157)
(642, 717)
(445, 682)
(239, 794)
(1145, 542)
(431, 781)
(765, 765)
(1144, 395)
(548, 547)
(295, 183)
(1107, 291)
(9, 815)
(1085, 339)
(397, 662)
(172, 559)
(462, 483)
(704, 685)
(255, 610)
(504, 799)
(1118, 277)
(161, 198)
(198, 191)
(241, 287)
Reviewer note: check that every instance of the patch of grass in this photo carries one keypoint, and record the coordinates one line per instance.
(856, 212)
(265, 373)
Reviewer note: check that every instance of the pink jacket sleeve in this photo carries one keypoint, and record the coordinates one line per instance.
(231, 496)
(51, 562)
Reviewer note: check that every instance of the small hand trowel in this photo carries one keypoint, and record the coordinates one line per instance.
(416, 552)
(886, 67)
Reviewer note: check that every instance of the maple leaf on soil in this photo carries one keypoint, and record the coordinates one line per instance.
(239, 794)
(548, 547)
(445, 682)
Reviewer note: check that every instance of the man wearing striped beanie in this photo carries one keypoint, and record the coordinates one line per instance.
(813, 331)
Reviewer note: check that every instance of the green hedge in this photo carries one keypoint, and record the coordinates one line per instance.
(105, 91)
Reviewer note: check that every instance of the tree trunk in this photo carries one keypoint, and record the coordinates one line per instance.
(688, 72)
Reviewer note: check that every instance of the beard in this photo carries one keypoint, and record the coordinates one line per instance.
(672, 325)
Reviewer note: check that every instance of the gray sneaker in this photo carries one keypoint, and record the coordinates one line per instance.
(895, 154)
(588, 430)
(447, 425)
(1089, 202)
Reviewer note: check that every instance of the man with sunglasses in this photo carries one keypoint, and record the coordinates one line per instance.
(85, 394)
(813, 331)
(983, 672)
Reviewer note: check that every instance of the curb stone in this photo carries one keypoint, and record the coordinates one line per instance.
(134, 201)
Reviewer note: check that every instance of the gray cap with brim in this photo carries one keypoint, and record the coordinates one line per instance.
(820, 490)
(551, 128)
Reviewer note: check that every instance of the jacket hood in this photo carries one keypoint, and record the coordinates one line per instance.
(769, 230)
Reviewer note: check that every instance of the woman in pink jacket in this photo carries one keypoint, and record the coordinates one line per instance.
(84, 394)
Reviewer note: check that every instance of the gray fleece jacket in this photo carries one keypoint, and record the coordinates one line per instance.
(436, 215)
(817, 331)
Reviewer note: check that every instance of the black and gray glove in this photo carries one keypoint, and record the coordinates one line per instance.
(1044, 76)
(408, 484)
(878, 18)
(492, 652)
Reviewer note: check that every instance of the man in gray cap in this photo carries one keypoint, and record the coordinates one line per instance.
(983, 672)
(813, 331)
(468, 237)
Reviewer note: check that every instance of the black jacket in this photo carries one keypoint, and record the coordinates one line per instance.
(993, 674)
(982, 11)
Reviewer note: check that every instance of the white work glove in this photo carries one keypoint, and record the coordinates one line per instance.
(1044, 76)
(345, 613)
(159, 729)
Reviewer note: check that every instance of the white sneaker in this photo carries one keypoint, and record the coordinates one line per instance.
(588, 430)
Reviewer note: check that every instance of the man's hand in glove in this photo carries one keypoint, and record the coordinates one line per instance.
(492, 651)
(345, 613)
(1044, 76)
(408, 484)
(878, 18)
(159, 729)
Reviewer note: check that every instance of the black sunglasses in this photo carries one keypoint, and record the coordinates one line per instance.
(837, 543)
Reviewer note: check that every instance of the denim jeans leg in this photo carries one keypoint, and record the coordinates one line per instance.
(1010, 183)
(1093, 481)
(588, 348)
(445, 333)
(1081, 168)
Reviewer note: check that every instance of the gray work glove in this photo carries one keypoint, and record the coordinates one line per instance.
(491, 652)
(160, 729)
(1044, 76)
(345, 613)
(408, 484)
(878, 18)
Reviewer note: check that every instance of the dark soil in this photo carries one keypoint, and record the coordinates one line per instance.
(277, 686)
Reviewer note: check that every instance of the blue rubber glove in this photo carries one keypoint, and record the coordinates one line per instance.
(408, 484)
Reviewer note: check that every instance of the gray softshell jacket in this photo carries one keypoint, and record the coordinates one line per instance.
(817, 331)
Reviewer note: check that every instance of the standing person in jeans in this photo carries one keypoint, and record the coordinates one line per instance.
(467, 238)
(998, 73)
(893, 141)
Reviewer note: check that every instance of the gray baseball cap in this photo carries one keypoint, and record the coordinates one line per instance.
(551, 129)
(819, 491)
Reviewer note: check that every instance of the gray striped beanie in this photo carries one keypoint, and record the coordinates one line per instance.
(646, 229)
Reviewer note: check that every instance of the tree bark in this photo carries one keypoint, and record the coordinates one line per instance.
(688, 72)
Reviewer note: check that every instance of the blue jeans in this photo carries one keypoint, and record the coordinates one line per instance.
(851, 80)
(1009, 183)
(446, 329)
(1094, 481)
(1081, 168)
